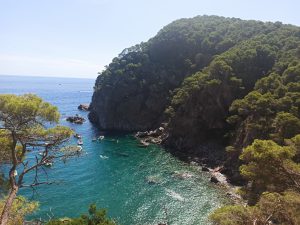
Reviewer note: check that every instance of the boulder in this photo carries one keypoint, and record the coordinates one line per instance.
(214, 180)
(205, 169)
(83, 107)
(75, 119)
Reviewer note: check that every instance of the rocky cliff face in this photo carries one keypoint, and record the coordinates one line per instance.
(132, 93)
(201, 118)
(126, 108)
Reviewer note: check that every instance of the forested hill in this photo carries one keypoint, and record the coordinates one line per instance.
(135, 89)
(206, 77)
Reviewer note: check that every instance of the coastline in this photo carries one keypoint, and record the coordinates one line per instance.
(218, 178)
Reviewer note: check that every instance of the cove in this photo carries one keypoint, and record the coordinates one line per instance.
(136, 185)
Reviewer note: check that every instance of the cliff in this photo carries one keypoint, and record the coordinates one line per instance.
(134, 90)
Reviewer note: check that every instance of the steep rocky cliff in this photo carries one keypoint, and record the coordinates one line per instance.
(134, 90)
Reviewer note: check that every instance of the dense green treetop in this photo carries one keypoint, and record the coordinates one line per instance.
(95, 217)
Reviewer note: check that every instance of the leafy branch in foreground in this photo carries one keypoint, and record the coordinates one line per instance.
(95, 217)
(26, 124)
(20, 208)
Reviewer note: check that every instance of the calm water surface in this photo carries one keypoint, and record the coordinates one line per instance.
(114, 173)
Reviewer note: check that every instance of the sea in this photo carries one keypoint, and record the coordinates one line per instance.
(137, 186)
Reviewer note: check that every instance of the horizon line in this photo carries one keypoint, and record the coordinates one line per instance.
(48, 76)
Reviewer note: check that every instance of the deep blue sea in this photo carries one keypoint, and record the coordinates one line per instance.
(114, 173)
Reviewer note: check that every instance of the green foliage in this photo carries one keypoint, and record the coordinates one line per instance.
(23, 119)
(5, 145)
(269, 167)
(21, 207)
(95, 217)
(286, 125)
(27, 121)
(29, 107)
(270, 111)
(272, 208)
(295, 143)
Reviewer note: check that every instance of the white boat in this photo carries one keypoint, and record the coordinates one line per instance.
(79, 148)
(103, 157)
(41, 153)
(80, 142)
(48, 164)
(101, 138)
(77, 136)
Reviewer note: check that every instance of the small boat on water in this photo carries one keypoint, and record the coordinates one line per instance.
(48, 163)
(94, 139)
(101, 138)
(79, 148)
(80, 142)
(77, 136)
(103, 157)
(41, 153)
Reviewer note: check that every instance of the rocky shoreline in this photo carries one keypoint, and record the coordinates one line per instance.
(159, 135)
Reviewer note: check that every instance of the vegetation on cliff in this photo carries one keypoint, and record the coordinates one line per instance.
(146, 74)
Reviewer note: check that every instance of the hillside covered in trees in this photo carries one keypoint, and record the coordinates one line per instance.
(233, 81)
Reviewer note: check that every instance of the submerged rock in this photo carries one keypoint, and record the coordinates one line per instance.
(76, 119)
(84, 107)
(204, 169)
(182, 175)
(153, 180)
(214, 180)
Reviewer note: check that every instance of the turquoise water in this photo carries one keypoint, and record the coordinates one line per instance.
(114, 173)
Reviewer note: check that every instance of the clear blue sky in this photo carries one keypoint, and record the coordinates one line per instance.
(77, 38)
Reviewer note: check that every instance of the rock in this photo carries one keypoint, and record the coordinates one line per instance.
(182, 175)
(84, 107)
(218, 177)
(153, 180)
(194, 163)
(213, 179)
(75, 119)
(141, 134)
(205, 169)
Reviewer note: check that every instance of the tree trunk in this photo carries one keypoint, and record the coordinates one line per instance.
(8, 205)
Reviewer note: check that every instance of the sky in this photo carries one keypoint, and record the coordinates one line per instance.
(77, 38)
